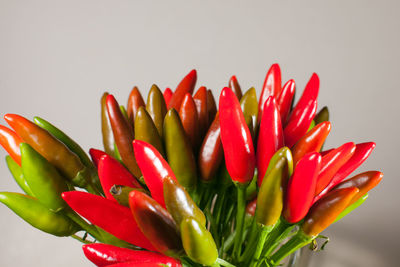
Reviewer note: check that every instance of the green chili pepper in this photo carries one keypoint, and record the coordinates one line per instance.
(16, 172)
(108, 138)
(146, 131)
(249, 105)
(42, 178)
(179, 151)
(37, 215)
(283, 152)
(352, 207)
(198, 243)
(270, 196)
(72, 145)
(179, 203)
(156, 107)
(322, 115)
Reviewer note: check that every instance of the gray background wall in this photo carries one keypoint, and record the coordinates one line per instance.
(57, 57)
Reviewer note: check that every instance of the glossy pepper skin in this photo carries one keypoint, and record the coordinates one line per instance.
(284, 100)
(154, 169)
(272, 86)
(364, 182)
(105, 255)
(146, 130)
(111, 172)
(156, 107)
(96, 155)
(50, 148)
(211, 153)
(179, 151)
(236, 138)
(179, 203)
(10, 141)
(324, 212)
(270, 137)
(235, 86)
(167, 95)
(198, 243)
(352, 207)
(303, 113)
(190, 120)
(211, 106)
(43, 179)
(108, 139)
(270, 196)
(331, 163)
(16, 172)
(185, 86)
(108, 215)
(301, 188)
(135, 101)
(362, 152)
(37, 215)
(200, 99)
(312, 141)
(65, 139)
(155, 223)
(123, 135)
(249, 106)
(283, 152)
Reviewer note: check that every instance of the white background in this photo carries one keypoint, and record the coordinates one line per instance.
(57, 58)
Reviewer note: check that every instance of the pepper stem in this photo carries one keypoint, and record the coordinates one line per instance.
(260, 244)
(90, 229)
(224, 263)
(298, 241)
(240, 213)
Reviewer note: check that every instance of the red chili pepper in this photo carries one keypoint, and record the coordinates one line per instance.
(236, 138)
(96, 155)
(331, 163)
(284, 99)
(211, 153)
(362, 152)
(185, 86)
(301, 188)
(270, 137)
(123, 135)
(302, 115)
(105, 255)
(111, 173)
(155, 223)
(211, 106)
(154, 169)
(364, 182)
(167, 95)
(10, 141)
(108, 215)
(311, 141)
(234, 85)
(325, 211)
(200, 99)
(251, 207)
(189, 119)
(135, 101)
(272, 86)
(141, 264)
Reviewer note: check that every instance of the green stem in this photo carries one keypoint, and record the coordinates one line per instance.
(241, 208)
(224, 263)
(252, 241)
(260, 244)
(281, 230)
(81, 239)
(90, 229)
(296, 242)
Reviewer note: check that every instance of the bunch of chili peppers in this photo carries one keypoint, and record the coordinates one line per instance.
(180, 183)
